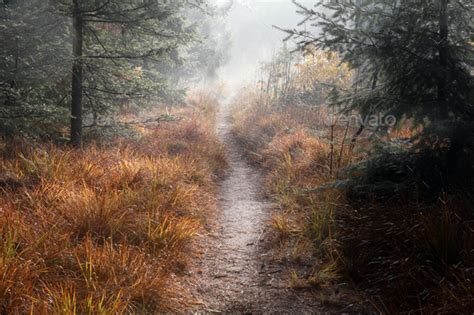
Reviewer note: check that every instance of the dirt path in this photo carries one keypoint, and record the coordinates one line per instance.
(234, 272)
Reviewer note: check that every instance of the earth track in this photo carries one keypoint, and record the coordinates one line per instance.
(235, 271)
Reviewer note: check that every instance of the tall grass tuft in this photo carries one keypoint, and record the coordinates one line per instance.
(97, 231)
(407, 256)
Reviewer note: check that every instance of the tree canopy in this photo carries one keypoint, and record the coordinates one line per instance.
(132, 54)
(413, 58)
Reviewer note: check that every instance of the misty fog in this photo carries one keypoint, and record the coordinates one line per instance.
(254, 39)
(236, 157)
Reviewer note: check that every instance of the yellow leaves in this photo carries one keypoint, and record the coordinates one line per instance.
(322, 67)
(138, 71)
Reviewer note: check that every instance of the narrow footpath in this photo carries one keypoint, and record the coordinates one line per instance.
(234, 271)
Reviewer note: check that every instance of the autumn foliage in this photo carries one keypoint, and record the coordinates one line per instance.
(403, 255)
(99, 231)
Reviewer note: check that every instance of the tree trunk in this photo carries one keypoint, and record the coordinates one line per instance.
(443, 58)
(362, 126)
(331, 157)
(76, 88)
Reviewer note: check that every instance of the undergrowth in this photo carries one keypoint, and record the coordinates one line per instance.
(99, 231)
(406, 255)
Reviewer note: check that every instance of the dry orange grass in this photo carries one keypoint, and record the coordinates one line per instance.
(98, 231)
(295, 161)
(408, 257)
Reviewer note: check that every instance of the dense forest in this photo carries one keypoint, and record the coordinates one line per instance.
(135, 178)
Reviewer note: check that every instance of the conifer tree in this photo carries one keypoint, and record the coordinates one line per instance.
(413, 57)
(113, 42)
(83, 61)
(35, 53)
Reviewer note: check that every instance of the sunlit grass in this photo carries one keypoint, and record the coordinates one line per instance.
(295, 162)
(409, 256)
(97, 231)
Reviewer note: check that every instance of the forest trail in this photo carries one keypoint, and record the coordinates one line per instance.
(234, 272)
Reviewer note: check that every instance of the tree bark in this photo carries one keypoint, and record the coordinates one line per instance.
(77, 77)
(443, 58)
(362, 126)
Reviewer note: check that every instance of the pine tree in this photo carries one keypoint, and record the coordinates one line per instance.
(96, 57)
(413, 58)
(35, 54)
(113, 42)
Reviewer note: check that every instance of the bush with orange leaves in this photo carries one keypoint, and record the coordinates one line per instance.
(99, 231)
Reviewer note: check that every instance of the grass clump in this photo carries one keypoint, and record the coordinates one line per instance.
(397, 224)
(295, 161)
(98, 231)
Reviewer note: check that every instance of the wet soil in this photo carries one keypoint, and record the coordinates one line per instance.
(235, 270)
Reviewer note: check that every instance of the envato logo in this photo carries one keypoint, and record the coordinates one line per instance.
(356, 120)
